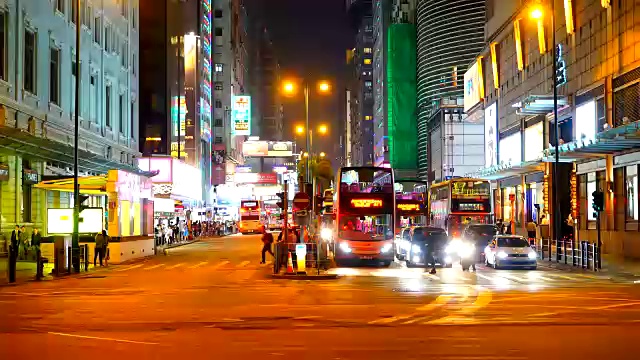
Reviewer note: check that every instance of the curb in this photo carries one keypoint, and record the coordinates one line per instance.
(305, 277)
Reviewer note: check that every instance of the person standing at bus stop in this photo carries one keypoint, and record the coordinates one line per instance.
(267, 240)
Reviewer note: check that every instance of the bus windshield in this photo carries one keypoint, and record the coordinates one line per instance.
(366, 228)
(249, 210)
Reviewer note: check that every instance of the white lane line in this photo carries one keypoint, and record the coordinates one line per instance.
(244, 263)
(102, 338)
(130, 267)
(153, 267)
(198, 265)
(432, 276)
(220, 264)
(175, 266)
(483, 277)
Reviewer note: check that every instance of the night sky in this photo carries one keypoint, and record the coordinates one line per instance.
(311, 38)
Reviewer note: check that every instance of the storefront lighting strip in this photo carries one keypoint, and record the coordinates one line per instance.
(518, 41)
(542, 40)
(481, 77)
(568, 15)
(605, 3)
(494, 65)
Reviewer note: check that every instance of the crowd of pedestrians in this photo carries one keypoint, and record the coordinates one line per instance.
(24, 244)
(179, 232)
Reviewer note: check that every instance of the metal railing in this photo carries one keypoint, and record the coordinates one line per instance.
(316, 258)
(584, 254)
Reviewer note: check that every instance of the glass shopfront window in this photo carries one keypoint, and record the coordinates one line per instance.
(631, 189)
(591, 187)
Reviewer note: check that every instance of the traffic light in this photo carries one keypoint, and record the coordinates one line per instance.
(282, 204)
(81, 200)
(598, 201)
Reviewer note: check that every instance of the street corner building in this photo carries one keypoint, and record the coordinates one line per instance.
(510, 87)
(37, 107)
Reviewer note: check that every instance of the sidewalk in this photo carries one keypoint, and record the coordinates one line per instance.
(25, 271)
(611, 265)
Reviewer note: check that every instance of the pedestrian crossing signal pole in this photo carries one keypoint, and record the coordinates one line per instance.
(598, 208)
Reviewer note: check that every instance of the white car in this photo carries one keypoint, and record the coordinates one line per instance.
(510, 251)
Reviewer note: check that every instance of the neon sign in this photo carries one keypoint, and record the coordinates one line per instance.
(408, 207)
(366, 203)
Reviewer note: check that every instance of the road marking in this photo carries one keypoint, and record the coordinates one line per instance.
(439, 301)
(244, 263)
(220, 264)
(102, 338)
(175, 266)
(432, 276)
(130, 267)
(154, 267)
(198, 265)
(484, 277)
(390, 319)
(592, 277)
(563, 277)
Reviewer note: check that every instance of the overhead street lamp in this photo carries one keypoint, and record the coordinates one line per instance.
(289, 88)
(537, 13)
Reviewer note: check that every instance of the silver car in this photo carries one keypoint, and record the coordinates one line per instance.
(510, 251)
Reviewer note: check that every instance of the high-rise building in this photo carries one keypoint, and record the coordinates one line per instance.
(360, 60)
(177, 96)
(37, 100)
(265, 85)
(381, 20)
(449, 35)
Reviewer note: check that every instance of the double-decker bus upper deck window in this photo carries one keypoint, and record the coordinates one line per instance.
(366, 180)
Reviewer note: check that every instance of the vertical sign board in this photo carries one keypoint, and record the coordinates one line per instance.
(241, 114)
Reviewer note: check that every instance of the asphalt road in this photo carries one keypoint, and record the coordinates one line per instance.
(213, 299)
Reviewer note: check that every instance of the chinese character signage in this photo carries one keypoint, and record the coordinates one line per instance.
(241, 114)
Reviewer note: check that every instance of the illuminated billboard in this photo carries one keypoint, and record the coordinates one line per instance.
(267, 148)
(60, 221)
(241, 114)
(473, 86)
(533, 142)
(491, 135)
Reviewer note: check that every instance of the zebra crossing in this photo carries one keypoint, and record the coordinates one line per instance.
(205, 265)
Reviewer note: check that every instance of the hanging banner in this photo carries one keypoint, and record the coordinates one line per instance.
(241, 114)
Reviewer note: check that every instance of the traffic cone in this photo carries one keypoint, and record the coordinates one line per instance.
(289, 265)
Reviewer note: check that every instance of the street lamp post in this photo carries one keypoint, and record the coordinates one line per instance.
(306, 116)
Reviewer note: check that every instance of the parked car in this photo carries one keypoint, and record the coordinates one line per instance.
(510, 251)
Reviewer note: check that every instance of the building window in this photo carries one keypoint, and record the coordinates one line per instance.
(30, 61)
(218, 123)
(124, 8)
(97, 29)
(632, 192)
(368, 117)
(218, 68)
(132, 118)
(88, 15)
(107, 36)
(134, 62)
(218, 31)
(218, 104)
(74, 10)
(3, 45)
(218, 139)
(218, 86)
(217, 13)
(367, 61)
(60, 6)
(74, 73)
(367, 50)
(107, 106)
(94, 97)
(121, 125)
(125, 54)
(591, 187)
(134, 16)
(368, 83)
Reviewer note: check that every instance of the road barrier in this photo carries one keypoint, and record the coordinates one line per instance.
(585, 255)
(313, 258)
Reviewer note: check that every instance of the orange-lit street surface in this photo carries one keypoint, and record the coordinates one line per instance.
(213, 300)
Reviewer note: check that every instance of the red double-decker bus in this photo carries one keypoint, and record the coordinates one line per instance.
(411, 203)
(457, 202)
(364, 210)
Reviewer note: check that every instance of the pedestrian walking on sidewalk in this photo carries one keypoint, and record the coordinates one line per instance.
(100, 249)
(267, 240)
(24, 243)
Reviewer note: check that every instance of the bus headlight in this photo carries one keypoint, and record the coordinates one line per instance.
(326, 234)
(416, 249)
(386, 248)
(345, 247)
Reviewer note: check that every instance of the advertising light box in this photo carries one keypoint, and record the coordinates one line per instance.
(473, 86)
(241, 114)
(491, 135)
(511, 149)
(60, 221)
(533, 142)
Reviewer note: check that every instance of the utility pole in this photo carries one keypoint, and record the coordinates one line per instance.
(75, 240)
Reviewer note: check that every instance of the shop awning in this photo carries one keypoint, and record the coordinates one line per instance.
(93, 185)
(38, 148)
(609, 142)
(539, 104)
(507, 170)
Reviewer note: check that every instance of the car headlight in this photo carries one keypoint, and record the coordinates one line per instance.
(406, 246)
(533, 255)
(453, 246)
(416, 249)
(345, 247)
(466, 250)
(502, 255)
(386, 248)
(326, 234)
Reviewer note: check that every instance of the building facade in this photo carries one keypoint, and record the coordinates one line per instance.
(37, 99)
(177, 97)
(598, 82)
(360, 61)
(448, 34)
(381, 21)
